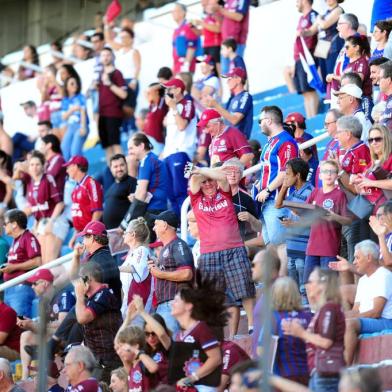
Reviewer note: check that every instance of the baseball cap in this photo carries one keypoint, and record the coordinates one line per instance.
(206, 116)
(93, 228)
(168, 216)
(295, 117)
(206, 59)
(77, 160)
(28, 103)
(350, 89)
(236, 72)
(177, 83)
(41, 274)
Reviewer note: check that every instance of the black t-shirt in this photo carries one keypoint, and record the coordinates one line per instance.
(116, 201)
(243, 202)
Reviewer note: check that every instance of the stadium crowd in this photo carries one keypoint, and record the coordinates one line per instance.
(303, 245)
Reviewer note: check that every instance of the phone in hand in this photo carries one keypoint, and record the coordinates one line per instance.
(21, 317)
(282, 218)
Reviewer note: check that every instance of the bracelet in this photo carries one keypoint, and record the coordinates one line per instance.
(268, 190)
(195, 376)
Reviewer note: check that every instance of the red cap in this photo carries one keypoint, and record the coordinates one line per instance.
(295, 117)
(236, 72)
(206, 59)
(207, 115)
(41, 274)
(177, 83)
(93, 228)
(77, 160)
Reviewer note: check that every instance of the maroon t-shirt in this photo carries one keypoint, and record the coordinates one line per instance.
(160, 377)
(23, 248)
(330, 323)
(90, 385)
(361, 66)
(110, 105)
(137, 380)
(153, 124)
(232, 354)
(8, 325)
(356, 158)
(54, 167)
(324, 239)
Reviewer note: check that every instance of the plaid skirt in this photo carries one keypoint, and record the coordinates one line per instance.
(231, 271)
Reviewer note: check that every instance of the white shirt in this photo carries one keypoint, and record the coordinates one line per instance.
(378, 284)
(366, 125)
(125, 64)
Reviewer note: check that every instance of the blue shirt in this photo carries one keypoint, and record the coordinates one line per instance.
(76, 100)
(242, 103)
(154, 171)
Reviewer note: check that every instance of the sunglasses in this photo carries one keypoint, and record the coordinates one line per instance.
(377, 139)
(148, 334)
(327, 171)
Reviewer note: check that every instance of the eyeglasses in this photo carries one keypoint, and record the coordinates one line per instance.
(328, 123)
(148, 334)
(260, 120)
(377, 139)
(36, 283)
(328, 171)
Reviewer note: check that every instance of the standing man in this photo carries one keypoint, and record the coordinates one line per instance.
(112, 91)
(185, 41)
(86, 196)
(181, 138)
(116, 197)
(386, 88)
(24, 255)
(280, 148)
(174, 266)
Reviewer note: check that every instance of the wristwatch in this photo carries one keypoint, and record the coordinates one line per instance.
(139, 354)
(268, 190)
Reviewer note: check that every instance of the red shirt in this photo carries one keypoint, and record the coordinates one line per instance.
(42, 196)
(23, 248)
(183, 38)
(232, 28)
(153, 124)
(8, 325)
(231, 355)
(54, 167)
(361, 66)
(217, 221)
(110, 105)
(231, 143)
(86, 199)
(90, 385)
(356, 158)
(211, 38)
(137, 380)
(321, 230)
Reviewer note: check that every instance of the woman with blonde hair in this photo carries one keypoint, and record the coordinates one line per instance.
(324, 336)
(134, 272)
(119, 380)
(290, 361)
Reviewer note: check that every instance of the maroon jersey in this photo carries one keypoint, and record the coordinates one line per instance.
(231, 143)
(361, 66)
(153, 124)
(212, 38)
(356, 158)
(217, 221)
(23, 248)
(86, 199)
(55, 167)
(160, 377)
(8, 325)
(305, 22)
(232, 354)
(42, 196)
(200, 334)
(137, 380)
(110, 105)
(335, 201)
(90, 385)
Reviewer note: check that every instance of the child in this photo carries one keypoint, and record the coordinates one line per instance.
(229, 57)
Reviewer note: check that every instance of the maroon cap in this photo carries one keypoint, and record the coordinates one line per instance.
(77, 160)
(41, 274)
(295, 117)
(177, 83)
(206, 59)
(236, 72)
(93, 228)
(207, 115)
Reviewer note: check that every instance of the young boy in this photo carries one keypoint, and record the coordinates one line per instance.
(325, 233)
(229, 55)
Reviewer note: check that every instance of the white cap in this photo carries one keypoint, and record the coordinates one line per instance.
(350, 89)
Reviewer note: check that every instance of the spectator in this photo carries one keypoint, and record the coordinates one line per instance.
(74, 114)
(81, 47)
(381, 32)
(152, 188)
(375, 78)
(24, 255)
(153, 124)
(229, 51)
(223, 255)
(6, 188)
(307, 19)
(86, 196)
(193, 230)
(119, 380)
(227, 142)
(98, 43)
(334, 201)
(185, 41)
(386, 88)
(116, 197)
(361, 380)
(235, 24)
(52, 377)
(297, 238)
(79, 364)
(372, 311)
(112, 92)
(5, 140)
(6, 378)
(238, 111)
(30, 57)
(280, 148)
(325, 331)
(349, 102)
(180, 142)
(99, 315)
(164, 74)
(44, 128)
(174, 266)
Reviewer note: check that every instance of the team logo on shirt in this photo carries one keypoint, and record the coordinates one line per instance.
(137, 377)
(165, 253)
(328, 204)
(157, 357)
(189, 339)
(235, 105)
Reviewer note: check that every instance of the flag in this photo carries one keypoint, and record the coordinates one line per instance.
(310, 68)
(113, 11)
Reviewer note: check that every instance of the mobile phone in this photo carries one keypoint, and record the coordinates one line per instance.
(21, 317)
(282, 218)
(170, 95)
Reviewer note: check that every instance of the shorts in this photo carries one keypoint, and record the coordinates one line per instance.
(109, 130)
(130, 100)
(272, 230)
(230, 269)
(60, 227)
(372, 325)
(214, 52)
(301, 79)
